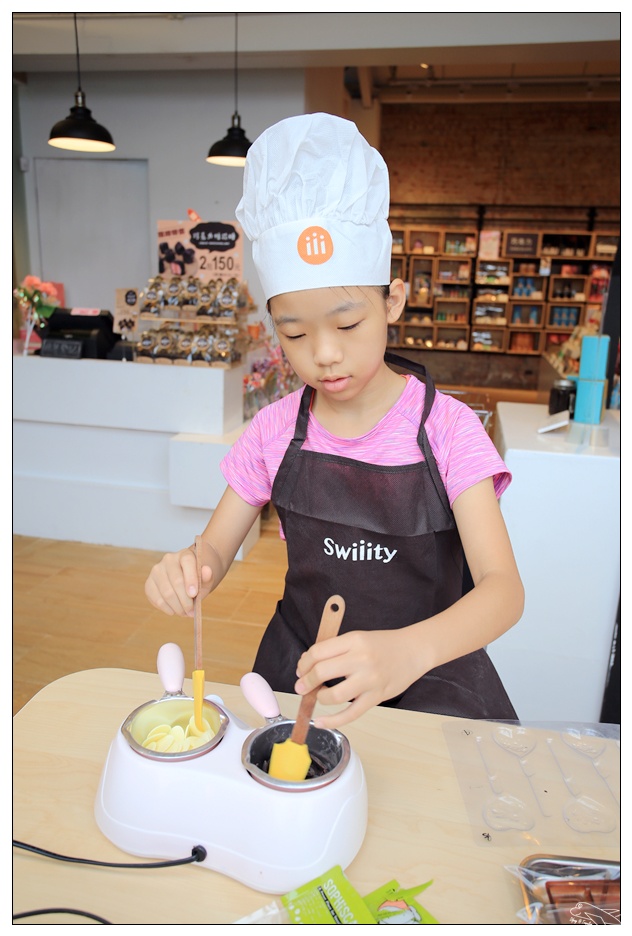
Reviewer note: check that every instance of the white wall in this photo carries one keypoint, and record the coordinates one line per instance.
(170, 119)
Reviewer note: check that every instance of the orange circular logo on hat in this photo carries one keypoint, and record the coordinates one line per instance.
(315, 245)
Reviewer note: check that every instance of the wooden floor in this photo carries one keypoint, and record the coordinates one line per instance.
(78, 606)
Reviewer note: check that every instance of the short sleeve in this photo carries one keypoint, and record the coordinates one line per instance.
(464, 451)
(244, 466)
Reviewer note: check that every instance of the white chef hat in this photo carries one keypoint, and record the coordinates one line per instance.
(315, 206)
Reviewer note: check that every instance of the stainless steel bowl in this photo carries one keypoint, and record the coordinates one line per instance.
(330, 752)
(172, 710)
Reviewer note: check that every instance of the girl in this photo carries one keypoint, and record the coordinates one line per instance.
(384, 488)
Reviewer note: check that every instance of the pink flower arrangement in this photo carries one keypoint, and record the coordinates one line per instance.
(38, 301)
(33, 290)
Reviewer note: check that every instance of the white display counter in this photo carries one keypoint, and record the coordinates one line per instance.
(562, 511)
(120, 453)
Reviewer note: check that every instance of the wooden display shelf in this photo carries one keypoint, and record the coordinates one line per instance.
(451, 337)
(488, 340)
(525, 341)
(452, 311)
(418, 336)
(489, 314)
(503, 292)
(561, 315)
(452, 278)
(604, 245)
(162, 361)
(417, 316)
(422, 272)
(448, 290)
(553, 342)
(399, 245)
(525, 314)
(528, 286)
(460, 243)
(493, 294)
(453, 271)
(493, 272)
(398, 267)
(186, 320)
(568, 288)
(566, 244)
(424, 240)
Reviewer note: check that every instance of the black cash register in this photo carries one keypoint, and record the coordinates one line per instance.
(74, 334)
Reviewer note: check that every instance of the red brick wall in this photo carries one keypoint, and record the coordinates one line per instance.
(521, 154)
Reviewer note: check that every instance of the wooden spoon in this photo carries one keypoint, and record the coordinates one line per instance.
(198, 664)
(290, 759)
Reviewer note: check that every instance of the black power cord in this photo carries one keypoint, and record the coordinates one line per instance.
(198, 853)
(83, 913)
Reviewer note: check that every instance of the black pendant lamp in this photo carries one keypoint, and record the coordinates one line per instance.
(231, 151)
(80, 131)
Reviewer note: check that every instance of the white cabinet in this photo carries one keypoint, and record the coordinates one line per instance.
(562, 511)
(120, 453)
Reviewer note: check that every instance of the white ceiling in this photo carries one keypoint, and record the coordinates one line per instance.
(478, 56)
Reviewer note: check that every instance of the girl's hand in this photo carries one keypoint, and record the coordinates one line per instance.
(173, 582)
(373, 665)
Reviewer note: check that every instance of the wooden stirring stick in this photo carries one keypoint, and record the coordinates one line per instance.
(329, 626)
(198, 663)
(290, 759)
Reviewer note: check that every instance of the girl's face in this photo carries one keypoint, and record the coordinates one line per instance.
(335, 338)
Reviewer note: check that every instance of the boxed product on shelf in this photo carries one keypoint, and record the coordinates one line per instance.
(563, 316)
(493, 272)
(451, 338)
(452, 311)
(489, 313)
(419, 336)
(460, 242)
(487, 339)
(566, 243)
(184, 320)
(568, 287)
(422, 240)
(528, 314)
(524, 342)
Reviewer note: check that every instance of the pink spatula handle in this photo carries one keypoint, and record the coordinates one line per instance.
(259, 694)
(171, 667)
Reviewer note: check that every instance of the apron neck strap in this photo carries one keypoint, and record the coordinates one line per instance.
(420, 370)
(422, 437)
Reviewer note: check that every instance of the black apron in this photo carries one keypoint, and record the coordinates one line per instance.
(385, 538)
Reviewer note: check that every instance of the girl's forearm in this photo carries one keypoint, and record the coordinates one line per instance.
(474, 621)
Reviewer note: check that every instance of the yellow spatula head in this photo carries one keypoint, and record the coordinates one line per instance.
(289, 761)
(198, 698)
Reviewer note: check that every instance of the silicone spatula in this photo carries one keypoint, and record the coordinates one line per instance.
(198, 664)
(290, 759)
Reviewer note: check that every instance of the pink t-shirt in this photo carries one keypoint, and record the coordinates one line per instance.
(463, 450)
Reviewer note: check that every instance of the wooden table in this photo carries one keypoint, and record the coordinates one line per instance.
(418, 821)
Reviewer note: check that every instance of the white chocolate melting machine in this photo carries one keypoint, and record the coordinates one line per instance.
(271, 835)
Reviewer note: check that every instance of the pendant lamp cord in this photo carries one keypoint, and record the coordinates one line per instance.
(77, 48)
(236, 20)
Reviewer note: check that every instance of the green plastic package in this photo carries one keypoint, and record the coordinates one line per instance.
(392, 903)
(329, 898)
